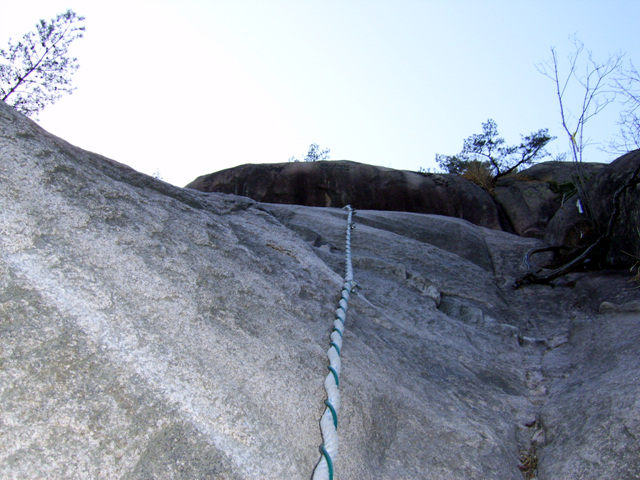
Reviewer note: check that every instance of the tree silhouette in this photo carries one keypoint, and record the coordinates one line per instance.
(314, 154)
(490, 150)
(37, 71)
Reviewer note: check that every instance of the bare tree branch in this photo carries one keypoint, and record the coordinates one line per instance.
(628, 87)
(596, 84)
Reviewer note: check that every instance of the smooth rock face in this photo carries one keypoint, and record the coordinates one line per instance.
(148, 331)
(598, 400)
(538, 202)
(523, 203)
(338, 183)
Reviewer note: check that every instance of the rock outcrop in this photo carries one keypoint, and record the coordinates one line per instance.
(338, 183)
(148, 331)
(532, 197)
(523, 203)
(538, 202)
(573, 227)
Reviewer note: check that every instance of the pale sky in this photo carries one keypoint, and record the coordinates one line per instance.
(189, 87)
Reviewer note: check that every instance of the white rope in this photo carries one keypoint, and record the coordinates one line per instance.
(329, 420)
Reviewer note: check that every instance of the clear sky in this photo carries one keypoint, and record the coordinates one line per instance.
(188, 87)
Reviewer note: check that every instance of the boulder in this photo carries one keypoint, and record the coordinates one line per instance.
(338, 183)
(530, 198)
(623, 247)
(573, 227)
(148, 331)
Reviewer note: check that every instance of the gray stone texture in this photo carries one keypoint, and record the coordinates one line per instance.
(531, 198)
(538, 202)
(148, 331)
(338, 183)
(572, 228)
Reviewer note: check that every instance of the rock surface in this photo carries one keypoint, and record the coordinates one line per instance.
(523, 203)
(532, 197)
(338, 183)
(538, 202)
(572, 227)
(148, 331)
(593, 410)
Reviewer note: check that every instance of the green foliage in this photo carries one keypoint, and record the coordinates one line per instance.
(36, 71)
(452, 163)
(490, 150)
(314, 154)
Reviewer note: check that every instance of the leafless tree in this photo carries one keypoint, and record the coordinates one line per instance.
(594, 82)
(628, 87)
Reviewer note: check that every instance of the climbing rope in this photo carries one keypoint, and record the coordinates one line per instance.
(329, 419)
